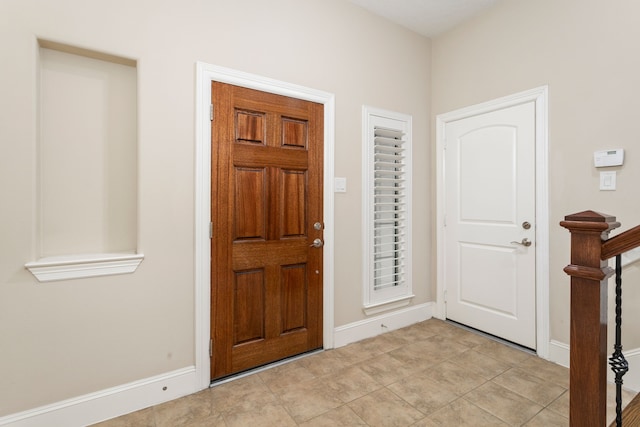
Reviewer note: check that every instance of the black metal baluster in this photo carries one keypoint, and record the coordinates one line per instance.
(618, 363)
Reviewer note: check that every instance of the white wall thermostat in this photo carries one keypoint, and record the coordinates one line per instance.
(605, 158)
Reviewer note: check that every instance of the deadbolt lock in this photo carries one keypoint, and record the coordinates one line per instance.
(526, 225)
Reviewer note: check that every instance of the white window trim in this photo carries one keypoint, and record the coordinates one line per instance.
(392, 298)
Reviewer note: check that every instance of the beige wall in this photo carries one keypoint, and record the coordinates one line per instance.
(86, 155)
(68, 338)
(586, 51)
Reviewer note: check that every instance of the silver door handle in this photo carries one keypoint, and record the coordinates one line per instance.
(525, 242)
(317, 243)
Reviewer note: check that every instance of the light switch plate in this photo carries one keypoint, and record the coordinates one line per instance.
(340, 185)
(608, 181)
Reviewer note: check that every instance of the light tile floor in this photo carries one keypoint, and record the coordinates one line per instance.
(429, 374)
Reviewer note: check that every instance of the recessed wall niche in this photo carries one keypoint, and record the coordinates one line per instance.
(86, 160)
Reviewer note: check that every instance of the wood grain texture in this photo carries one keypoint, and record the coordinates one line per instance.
(621, 243)
(250, 203)
(248, 308)
(588, 325)
(267, 163)
(250, 127)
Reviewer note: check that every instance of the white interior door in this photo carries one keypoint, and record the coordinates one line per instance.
(490, 223)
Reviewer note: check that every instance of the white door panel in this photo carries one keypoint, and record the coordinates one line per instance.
(490, 193)
(480, 181)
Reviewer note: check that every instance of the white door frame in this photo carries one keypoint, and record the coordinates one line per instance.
(540, 97)
(205, 74)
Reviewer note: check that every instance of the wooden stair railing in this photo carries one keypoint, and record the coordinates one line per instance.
(590, 250)
(621, 243)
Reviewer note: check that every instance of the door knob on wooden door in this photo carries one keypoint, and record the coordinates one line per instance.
(317, 243)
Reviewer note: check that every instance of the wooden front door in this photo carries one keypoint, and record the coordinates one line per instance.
(266, 210)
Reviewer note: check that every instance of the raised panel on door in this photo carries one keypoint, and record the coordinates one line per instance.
(487, 170)
(292, 203)
(250, 127)
(294, 297)
(250, 203)
(485, 267)
(249, 310)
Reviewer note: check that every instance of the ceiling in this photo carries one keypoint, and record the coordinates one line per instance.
(426, 17)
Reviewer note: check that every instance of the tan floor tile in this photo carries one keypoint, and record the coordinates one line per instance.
(416, 354)
(436, 327)
(382, 408)
(504, 404)
(182, 412)
(265, 416)
(428, 352)
(461, 413)
(425, 422)
(425, 368)
(561, 405)
(241, 394)
(505, 353)
(339, 417)
(481, 364)
(546, 370)
(445, 346)
(387, 342)
(142, 418)
(308, 400)
(423, 393)
(454, 378)
(214, 420)
(469, 339)
(386, 369)
(529, 386)
(548, 418)
(351, 383)
(455, 333)
(324, 363)
(412, 334)
(283, 376)
(353, 353)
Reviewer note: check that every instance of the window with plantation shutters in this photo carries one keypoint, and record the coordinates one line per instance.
(387, 203)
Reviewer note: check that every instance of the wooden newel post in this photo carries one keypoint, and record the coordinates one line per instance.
(588, 343)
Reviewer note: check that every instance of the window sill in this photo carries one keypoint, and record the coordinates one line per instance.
(80, 266)
(376, 308)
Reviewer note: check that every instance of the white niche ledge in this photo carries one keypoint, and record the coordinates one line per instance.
(79, 266)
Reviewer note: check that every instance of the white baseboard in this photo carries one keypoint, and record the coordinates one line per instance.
(559, 353)
(377, 325)
(110, 403)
